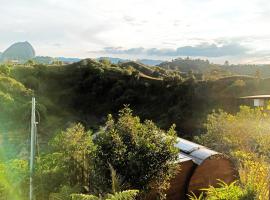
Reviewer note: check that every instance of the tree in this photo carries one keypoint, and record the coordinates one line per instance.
(75, 149)
(30, 62)
(57, 62)
(141, 153)
(226, 63)
(105, 61)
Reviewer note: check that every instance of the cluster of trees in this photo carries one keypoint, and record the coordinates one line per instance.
(212, 71)
(124, 159)
(187, 64)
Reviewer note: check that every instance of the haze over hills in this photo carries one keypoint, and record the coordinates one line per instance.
(143, 61)
(23, 51)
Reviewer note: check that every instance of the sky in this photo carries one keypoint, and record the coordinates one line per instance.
(218, 30)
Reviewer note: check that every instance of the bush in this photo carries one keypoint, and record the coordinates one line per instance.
(141, 153)
(254, 173)
(244, 136)
(247, 130)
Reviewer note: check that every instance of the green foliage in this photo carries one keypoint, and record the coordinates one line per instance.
(115, 180)
(105, 61)
(90, 90)
(141, 153)
(14, 179)
(51, 173)
(69, 163)
(244, 136)
(84, 197)
(86, 91)
(30, 62)
(57, 62)
(187, 64)
(64, 193)
(76, 147)
(5, 69)
(246, 130)
(254, 173)
(225, 192)
(125, 195)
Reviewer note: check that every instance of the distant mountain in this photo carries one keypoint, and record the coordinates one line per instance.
(20, 51)
(23, 51)
(49, 60)
(150, 62)
(143, 61)
(68, 60)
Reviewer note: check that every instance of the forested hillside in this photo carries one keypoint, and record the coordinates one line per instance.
(215, 71)
(88, 90)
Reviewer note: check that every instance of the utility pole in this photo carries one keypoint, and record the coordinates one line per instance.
(32, 148)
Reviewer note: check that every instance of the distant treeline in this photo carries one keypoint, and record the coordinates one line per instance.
(213, 71)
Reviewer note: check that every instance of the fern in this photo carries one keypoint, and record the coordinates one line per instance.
(192, 196)
(84, 197)
(63, 194)
(225, 191)
(125, 195)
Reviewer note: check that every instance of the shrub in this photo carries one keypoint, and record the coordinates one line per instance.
(244, 136)
(140, 152)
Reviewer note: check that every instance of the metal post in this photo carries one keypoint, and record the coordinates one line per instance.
(32, 148)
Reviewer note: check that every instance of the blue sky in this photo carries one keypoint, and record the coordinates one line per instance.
(234, 30)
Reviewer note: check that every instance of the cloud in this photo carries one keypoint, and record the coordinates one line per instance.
(204, 49)
(128, 18)
(81, 25)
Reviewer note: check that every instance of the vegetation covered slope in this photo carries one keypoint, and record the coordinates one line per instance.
(215, 71)
(187, 64)
(86, 91)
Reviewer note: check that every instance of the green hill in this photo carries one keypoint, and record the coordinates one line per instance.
(88, 90)
(187, 64)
